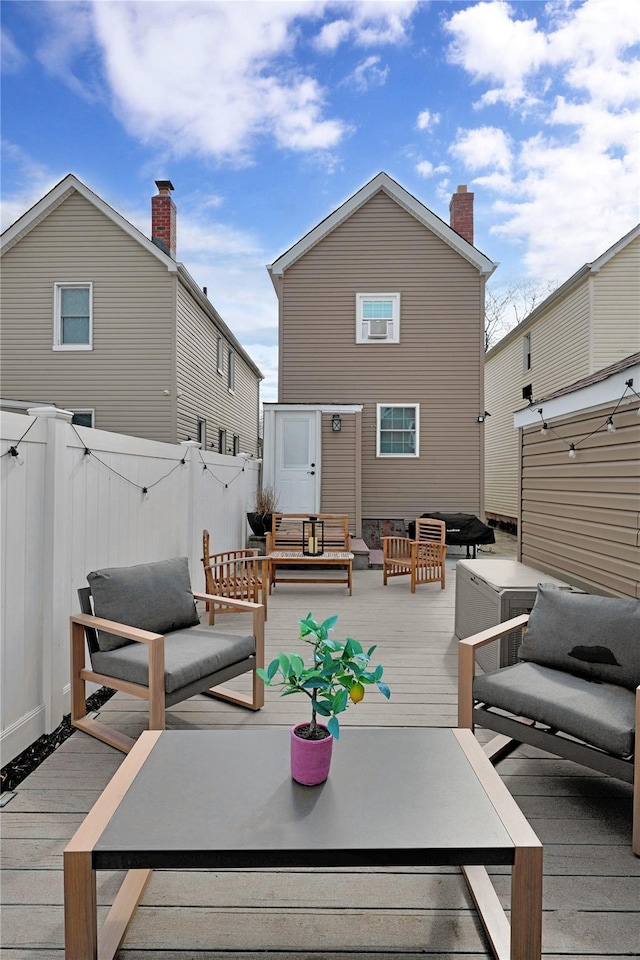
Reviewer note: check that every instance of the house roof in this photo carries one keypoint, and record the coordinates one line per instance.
(565, 288)
(382, 182)
(597, 389)
(62, 190)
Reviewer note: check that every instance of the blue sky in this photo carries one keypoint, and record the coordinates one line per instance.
(266, 116)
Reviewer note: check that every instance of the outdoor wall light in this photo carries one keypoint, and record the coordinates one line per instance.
(483, 416)
(336, 423)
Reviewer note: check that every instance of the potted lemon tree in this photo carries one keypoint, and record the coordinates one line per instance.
(337, 674)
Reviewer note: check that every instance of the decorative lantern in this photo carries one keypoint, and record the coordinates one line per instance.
(312, 537)
(336, 423)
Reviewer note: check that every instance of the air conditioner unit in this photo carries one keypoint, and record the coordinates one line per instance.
(378, 329)
(491, 591)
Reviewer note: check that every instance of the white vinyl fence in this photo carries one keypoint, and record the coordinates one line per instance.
(75, 500)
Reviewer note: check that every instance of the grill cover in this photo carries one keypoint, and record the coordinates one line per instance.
(463, 529)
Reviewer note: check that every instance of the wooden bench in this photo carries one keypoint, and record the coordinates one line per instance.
(284, 548)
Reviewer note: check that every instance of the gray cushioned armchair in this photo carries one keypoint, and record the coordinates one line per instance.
(145, 638)
(575, 691)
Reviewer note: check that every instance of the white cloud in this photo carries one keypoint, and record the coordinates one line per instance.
(11, 57)
(569, 188)
(368, 74)
(493, 47)
(426, 120)
(206, 78)
(483, 147)
(424, 168)
(33, 180)
(367, 23)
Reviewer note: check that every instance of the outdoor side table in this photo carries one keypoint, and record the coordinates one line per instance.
(448, 807)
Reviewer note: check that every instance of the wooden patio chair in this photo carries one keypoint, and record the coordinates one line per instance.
(423, 559)
(235, 575)
(145, 638)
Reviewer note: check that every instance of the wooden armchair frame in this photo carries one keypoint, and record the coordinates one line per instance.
(86, 624)
(512, 730)
(423, 559)
(234, 574)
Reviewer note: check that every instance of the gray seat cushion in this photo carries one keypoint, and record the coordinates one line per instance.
(150, 596)
(601, 714)
(593, 637)
(189, 655)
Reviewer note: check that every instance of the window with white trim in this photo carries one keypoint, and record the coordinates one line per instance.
(220, 356)
(73, 316)
(222, 440)
(397, 429)
(526, 352)
(377, 318)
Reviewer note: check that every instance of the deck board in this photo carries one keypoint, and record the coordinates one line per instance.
(592, 880)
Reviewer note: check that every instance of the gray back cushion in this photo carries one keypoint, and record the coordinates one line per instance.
(151, 596)
(593, 637)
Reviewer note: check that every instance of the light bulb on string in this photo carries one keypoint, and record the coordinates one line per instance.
(611, 427)
(572, 451)
(544, 428)
(16, 456)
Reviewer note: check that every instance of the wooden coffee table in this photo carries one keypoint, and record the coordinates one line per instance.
(430, 798)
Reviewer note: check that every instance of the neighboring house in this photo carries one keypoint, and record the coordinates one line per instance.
(580, 509)
(589, 322)
(381, 310)
(103, 321)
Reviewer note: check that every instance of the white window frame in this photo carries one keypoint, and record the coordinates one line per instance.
(385, 406)
(58, 343)
(231, 372)
(90, 410)
(526, 352)
(220, 356)
(362, 325)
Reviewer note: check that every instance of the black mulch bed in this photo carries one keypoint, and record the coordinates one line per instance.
(27, 761)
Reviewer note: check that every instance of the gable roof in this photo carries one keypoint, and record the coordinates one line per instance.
(382, 182)
(565, 288)
(61, 192)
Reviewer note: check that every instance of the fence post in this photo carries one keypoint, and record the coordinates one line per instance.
(56, 565)
(192, 537)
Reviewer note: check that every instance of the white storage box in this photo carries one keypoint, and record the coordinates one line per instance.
(491, 591)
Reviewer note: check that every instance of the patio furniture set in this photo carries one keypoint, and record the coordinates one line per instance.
(575, 692)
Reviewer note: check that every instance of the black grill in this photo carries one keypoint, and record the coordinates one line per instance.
(463, 530)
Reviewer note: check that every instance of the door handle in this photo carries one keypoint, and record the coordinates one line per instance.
(312, 472)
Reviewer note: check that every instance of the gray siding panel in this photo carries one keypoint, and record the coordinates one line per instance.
(124, 376)
(438, 363)
(204, 391)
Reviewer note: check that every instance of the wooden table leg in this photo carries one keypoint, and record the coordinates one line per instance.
(80, 915)
(526, 904)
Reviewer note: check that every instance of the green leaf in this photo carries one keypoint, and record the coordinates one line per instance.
(296, 663)
(371, 649)
(273, 669)
(340, 701)
(322, 708)
(283, 661)
(384, 689)
(378, 672)
(329, 623)
(263, 674)
(333, 726)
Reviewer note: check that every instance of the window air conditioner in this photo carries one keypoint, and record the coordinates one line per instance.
(378, 329)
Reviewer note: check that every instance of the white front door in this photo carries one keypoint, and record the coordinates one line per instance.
(297, 472)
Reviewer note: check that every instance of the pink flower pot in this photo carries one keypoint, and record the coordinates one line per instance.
(310, 759)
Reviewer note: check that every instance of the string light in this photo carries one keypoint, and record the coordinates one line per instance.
(606, 422)
(16, 455)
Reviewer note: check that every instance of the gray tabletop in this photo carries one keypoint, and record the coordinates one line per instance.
(226, 799)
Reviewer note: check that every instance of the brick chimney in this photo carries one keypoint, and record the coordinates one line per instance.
(163, 218)
(461, 213)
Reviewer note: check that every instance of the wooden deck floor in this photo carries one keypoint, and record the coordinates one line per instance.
(592, 880)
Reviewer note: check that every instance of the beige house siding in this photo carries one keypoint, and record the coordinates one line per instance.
(438, 362)
(340, 467)
(616, 308)
(124, 376)
(204, 392)
(596, 322)
(581, 518)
